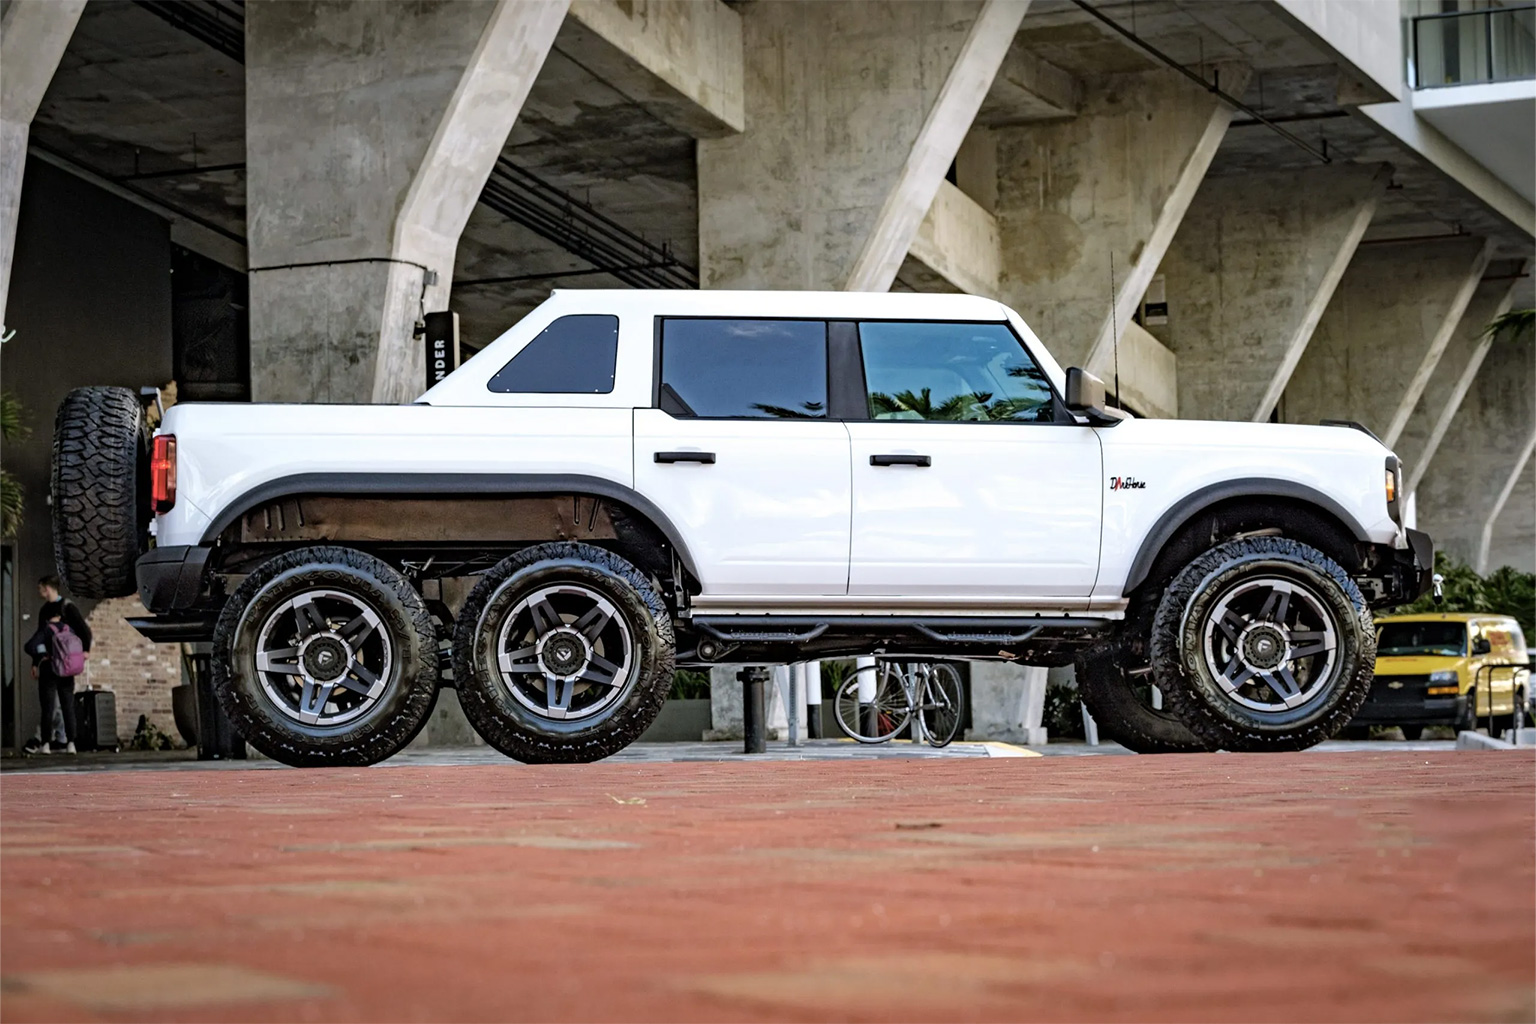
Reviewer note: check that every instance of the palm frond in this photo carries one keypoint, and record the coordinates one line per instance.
(12, 504)
(13, 425)
(1516, 325)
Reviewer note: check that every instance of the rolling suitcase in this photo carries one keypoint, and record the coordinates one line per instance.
(95, 720)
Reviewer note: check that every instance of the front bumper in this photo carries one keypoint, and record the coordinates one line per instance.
(1429, 711)
(1400, 576)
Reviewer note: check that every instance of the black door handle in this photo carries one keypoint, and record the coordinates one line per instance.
(705, 458)
(900, 460)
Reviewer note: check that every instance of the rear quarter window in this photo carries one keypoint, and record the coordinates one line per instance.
(574, 355)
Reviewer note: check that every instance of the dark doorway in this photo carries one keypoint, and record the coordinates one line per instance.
(210, 330)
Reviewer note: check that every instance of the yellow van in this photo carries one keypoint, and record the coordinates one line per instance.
(1442, 668)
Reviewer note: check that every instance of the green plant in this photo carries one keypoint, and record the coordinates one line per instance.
(1516, 325)
(147, 736)
(12, 496)
(1063, 714)
(688, 684)
(1507, 591)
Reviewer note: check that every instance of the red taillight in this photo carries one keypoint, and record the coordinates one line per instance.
(162, 473)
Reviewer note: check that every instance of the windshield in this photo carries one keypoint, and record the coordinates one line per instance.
(1399, 639)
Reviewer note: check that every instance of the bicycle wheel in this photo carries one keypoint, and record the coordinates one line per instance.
(942, 704)
(883, 717)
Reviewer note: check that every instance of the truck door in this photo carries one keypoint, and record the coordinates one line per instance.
(742, 457)
(968, 479)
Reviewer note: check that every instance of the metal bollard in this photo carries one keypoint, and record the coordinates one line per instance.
(754, 710)
(813, 701)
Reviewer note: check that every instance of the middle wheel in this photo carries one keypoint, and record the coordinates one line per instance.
(563, 653)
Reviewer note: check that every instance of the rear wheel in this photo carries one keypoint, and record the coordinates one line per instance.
(563, 653)
(1262, 644)
(1123, 708)
(100, 490)
(876, 712)
(326, 656)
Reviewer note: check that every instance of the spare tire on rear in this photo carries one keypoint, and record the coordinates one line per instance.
(100, 490)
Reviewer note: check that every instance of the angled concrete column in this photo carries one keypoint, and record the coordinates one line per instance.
(33, 35)
(1007, 703)
(1481, 478)
(682, 62)
(1382, 336)
(1249, 275)
(370, 131)
(854, 110)
(1452, 380)
(958, 241)
(1113, 182)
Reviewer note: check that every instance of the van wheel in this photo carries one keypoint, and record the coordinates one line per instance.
(326, 656)
(563, 653)
(1122, 707)
(100, 491)
(1411, 733)
(1263, 644)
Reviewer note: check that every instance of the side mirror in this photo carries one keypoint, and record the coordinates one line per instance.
(1085, 398)
(1481, 645)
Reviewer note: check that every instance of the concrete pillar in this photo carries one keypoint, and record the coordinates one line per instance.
(725, 710)
(371, 129)
(850, 107)
(33, 36)
(1478, 494)
(1447, 389)
(1114, 182)
(1007, 703)
(1249, 275)
(1382, 336)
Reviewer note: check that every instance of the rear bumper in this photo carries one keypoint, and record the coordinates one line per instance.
(171, 578)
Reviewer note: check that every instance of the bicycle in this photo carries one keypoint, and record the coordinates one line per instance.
(893, 693)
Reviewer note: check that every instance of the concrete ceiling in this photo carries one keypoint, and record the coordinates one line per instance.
(144, 104)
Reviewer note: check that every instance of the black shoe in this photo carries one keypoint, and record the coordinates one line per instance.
(35, 746)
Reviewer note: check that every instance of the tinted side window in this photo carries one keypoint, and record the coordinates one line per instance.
(952, 371)
(762, 369)
(575, 355)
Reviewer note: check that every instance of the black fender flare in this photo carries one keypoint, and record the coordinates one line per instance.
(1198, 501)
(415, 485)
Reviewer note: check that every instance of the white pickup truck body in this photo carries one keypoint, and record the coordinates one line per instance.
(791, 515)
(745, 477)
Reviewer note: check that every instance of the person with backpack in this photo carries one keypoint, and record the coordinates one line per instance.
(59, 650)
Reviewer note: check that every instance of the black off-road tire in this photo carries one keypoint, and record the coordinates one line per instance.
(1190, 688)
(512, 728)
(100, 491)
(410, 688)
(1121, 715)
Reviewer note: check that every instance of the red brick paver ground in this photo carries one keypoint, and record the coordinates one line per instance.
(1392, 886)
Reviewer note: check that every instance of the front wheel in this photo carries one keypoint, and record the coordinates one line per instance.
(563, 654)
(943, 704)
(1263, 644)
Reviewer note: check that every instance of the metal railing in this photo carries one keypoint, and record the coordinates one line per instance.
(1496, 44)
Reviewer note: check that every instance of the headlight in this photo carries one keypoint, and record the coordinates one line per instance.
(1393, 486)
(1443, 684)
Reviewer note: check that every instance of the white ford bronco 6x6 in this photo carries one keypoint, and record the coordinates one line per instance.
(627, 481)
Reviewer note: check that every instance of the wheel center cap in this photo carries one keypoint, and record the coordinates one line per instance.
(563, 652)
(1264, 646)
(325, 658)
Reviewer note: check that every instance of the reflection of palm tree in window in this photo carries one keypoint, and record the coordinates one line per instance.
(813, 411)
(972, 405)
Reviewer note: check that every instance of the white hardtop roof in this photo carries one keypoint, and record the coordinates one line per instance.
(820, 305)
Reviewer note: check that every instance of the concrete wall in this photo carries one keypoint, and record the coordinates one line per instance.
(1475, 460)
(1249, 275)
(1394, 306)
(836, 93)
(90, 302)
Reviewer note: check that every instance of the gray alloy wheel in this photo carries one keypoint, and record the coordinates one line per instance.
(326, 656)
(563, 653)
(1263, 643)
